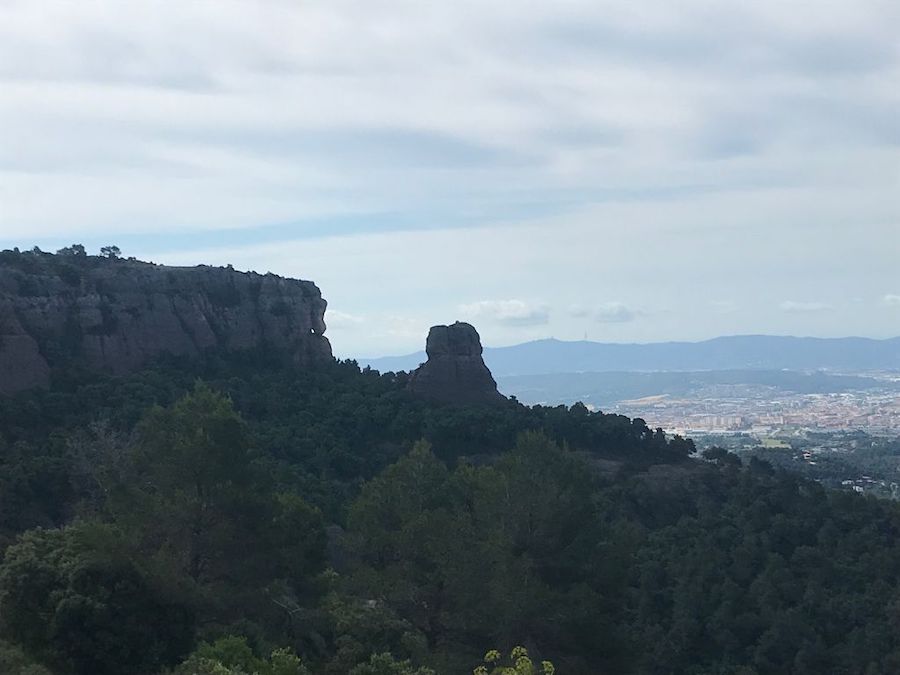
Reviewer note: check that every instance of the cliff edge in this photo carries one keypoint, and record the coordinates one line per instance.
(115, 315)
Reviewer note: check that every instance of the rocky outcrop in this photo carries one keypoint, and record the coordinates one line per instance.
(455, 371)
(115, 315)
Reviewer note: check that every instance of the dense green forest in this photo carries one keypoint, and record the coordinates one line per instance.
(243, 515)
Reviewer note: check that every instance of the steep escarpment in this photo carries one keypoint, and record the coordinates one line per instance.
(115, 315)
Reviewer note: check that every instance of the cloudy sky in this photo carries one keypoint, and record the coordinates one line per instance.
(633, 170)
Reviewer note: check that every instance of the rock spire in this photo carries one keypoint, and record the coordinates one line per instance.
(455, 371)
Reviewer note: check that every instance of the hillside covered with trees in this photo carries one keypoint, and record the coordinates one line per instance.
(241, 514)
(244, 504)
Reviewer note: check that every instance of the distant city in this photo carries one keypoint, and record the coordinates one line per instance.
(764, 386)
(764, 411)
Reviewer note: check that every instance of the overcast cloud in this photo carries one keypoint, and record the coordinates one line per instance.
(652, 162)
(507, 312)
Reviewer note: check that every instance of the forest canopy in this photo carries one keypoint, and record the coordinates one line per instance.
(243, 515)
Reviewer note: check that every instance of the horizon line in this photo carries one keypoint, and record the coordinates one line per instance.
(660, 342)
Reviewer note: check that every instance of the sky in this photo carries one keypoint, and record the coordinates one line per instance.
(612, 170)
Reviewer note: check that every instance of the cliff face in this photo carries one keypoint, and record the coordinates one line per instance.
(115, 315)
(455, 371)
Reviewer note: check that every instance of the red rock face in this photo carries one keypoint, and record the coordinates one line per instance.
(115, 315)
(455, 371)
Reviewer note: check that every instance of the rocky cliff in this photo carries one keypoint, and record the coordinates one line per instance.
(455, 371)
(115, 315)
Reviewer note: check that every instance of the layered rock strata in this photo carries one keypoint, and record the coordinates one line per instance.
(115, 315)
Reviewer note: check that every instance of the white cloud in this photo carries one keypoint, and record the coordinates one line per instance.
(891, 300)
(337, 319)
(656, 152)
(118, 116)
(507, 312)
(605, 312)
(614, 312)
(803, 307)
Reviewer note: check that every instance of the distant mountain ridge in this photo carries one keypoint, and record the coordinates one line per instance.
(751, 352)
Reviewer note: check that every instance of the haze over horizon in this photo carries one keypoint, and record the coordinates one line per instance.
(369, 357)
(635, 173)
